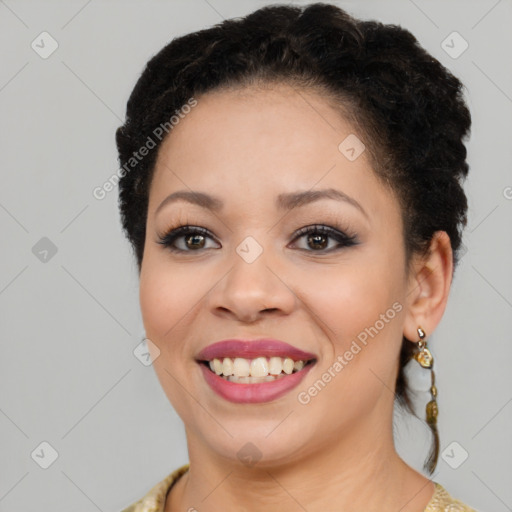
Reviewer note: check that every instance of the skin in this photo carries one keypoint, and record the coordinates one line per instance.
(337, 451)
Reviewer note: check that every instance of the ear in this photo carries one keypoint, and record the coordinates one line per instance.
(428, 287)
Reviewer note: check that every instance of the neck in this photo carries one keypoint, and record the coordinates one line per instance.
(361, 472)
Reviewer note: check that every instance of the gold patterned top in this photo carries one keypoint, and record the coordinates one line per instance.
(154, 500)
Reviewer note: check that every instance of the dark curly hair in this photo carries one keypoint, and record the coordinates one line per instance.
(408, 107)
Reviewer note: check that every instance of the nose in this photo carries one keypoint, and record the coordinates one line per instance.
(249, 291)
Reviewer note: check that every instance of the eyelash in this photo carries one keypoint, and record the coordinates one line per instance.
(343, 239)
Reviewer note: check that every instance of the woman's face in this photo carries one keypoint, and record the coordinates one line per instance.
(252, 276)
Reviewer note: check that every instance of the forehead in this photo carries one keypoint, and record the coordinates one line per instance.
(259, 140)
(269, 120)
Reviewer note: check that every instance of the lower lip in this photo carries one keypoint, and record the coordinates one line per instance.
(253, 393)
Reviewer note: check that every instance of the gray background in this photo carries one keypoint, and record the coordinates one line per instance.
(70, 323)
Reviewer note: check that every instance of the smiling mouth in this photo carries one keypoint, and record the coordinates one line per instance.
(256, 370)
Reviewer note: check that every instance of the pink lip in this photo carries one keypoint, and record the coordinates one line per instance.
(251, 349)
(253, 393)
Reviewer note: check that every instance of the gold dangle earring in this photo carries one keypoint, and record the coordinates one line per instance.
(425, 359)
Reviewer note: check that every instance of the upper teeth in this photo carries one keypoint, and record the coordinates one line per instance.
(259, 367)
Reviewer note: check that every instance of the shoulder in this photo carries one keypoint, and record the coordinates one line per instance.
(154, 499)
(131, 508)
(442, 502)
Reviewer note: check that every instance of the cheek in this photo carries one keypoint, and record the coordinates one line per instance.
(167, 300)
(352, 297)
(359, 307)
(359, 311)
(166, 297)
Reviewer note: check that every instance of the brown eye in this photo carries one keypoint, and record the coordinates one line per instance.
(317, 238)
(318, 241)
(195, 239)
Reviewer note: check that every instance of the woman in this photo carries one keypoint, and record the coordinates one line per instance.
(292, 191)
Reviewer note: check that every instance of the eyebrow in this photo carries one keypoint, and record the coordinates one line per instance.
(285, 201)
